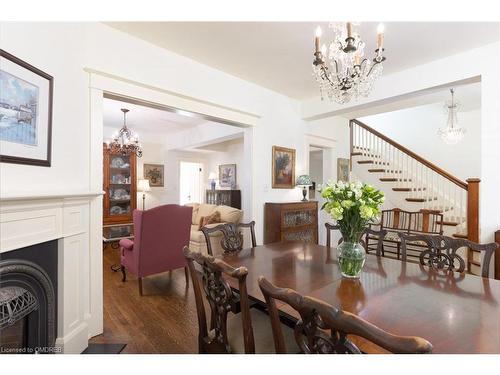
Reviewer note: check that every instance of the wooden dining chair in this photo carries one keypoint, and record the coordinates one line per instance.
(329, 227)
(232, 322)
(441, 252)
(323, 329)
(378, 234)
(232, 236)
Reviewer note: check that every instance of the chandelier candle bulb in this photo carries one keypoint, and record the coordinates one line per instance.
(317, 39)
(349, 29)
(380, 36)
(357, 59)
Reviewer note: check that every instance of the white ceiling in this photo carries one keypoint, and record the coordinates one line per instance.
(146, 119)
(467, 95)
(278, 55)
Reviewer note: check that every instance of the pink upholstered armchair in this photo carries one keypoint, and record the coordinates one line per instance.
(160, 234)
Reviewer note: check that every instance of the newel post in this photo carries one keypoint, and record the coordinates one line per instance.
(473, 209)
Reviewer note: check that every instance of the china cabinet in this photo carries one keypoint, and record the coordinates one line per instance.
(119, 185)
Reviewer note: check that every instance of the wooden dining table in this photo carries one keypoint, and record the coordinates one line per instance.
(457, 313)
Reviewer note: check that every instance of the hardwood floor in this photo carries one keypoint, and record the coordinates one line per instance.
(163, 320)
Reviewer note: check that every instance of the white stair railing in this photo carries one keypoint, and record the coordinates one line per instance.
(421, 180)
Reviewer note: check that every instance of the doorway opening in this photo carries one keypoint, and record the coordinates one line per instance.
(191, 177)
(180, 149)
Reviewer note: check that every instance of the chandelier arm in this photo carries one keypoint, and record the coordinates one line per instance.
(375, 63)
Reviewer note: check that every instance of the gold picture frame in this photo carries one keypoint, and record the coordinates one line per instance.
(283, 168)
(154, 173)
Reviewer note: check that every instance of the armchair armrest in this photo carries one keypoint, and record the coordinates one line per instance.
(379, 233)
(127, 244)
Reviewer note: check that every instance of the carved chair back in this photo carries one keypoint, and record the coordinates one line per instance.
(380, 234)
(395, 219)
(442, 252)
(232, 236)
(210, 284)
(329, 228)
(323, 329)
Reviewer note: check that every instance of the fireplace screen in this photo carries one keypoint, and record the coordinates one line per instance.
(27, 308)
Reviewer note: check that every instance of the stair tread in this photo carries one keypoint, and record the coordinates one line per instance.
(376, 170)
(407, 189)
(393, 179)
(460, 235)
(365, 162)
(426, 199)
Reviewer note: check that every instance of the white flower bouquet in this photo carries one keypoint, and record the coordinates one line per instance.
(353, 206)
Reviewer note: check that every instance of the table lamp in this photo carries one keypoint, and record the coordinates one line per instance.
(304, 181)
(143, 187)
(212, 177)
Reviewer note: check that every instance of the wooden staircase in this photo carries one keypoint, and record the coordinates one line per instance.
(420, 182)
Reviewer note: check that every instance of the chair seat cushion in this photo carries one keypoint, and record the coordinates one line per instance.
(262, 331)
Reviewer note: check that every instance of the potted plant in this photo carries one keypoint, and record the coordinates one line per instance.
(353, 206)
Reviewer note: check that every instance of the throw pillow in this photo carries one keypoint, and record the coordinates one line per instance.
(210, 219)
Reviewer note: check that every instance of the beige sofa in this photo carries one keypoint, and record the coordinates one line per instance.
(228, 215)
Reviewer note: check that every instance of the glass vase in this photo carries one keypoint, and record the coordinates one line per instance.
(351, 256)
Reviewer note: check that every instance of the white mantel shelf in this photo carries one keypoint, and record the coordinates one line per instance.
(49, 195)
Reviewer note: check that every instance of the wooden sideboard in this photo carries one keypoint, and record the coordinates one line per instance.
(291, 221)
(231, 198)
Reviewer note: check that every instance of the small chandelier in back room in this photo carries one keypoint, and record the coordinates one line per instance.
(340, 67)
(124, 141)
(452, 133)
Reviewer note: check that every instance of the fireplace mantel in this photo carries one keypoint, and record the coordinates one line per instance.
(31, 219)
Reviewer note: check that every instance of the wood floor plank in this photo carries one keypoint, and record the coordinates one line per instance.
(163, 320)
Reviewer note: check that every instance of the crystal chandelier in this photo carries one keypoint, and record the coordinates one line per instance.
(452, 134)
(124, 142)
(340, 69)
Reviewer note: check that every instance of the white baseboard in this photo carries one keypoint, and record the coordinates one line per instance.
(76, 341)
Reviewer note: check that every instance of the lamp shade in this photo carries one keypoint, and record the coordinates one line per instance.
(304, 180)
(143, 185)
(212, 176)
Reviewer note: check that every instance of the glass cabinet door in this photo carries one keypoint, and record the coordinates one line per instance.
(120, 183)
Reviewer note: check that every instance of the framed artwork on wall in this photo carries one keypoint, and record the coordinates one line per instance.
(283, 168)
(154, 173)
(227, 175)
(343, 169)
(25, 112)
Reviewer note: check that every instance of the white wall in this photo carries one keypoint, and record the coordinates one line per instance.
(57, 50)
(416, 128)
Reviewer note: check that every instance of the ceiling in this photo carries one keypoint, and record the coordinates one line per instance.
(146, 119)
(278, 55)
(467, 95)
